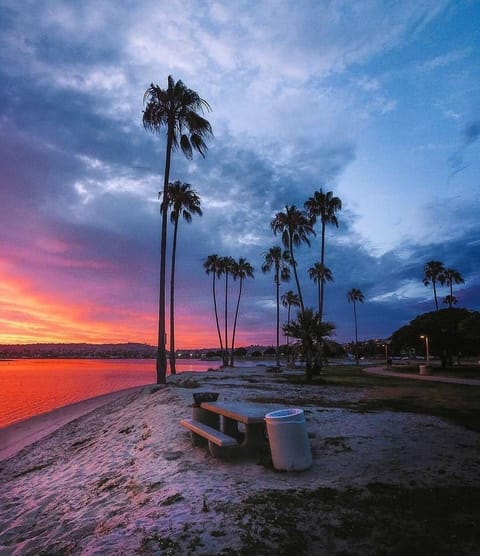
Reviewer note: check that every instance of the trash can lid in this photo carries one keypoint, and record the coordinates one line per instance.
(281, 413)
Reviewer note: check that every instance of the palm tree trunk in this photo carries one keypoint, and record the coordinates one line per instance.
(356, 332)
(322, 284)
(319, 353)
(288, 337)
(235, 322)
(277, 282)
(308, 363)
(216, 313)
(288, 321)
(172, 301)
(435, 294)
(225, 354)
(294, 264)
(161, 340)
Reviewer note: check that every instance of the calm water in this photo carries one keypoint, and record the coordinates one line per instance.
(32, 386)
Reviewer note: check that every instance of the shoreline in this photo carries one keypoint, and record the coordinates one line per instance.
(19, 435)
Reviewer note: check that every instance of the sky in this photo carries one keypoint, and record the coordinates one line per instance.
(377, 101)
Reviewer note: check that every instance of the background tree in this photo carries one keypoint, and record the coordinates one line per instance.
(241, 352)
(310, 331)
(177, 109)
(451, 276)
(353, 296)
(450, 300)
(183, 201)
(451, 332)
(295, 228)
(323, 206)
(469, 327)
(279, 260)
(212, 265)
(433, 271)
(241, 269)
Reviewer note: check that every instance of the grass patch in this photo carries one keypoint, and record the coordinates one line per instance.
(380, 519)
(455, 402)
(459, 371)
(81, 442)
(31, 470)
(173, 499)
(154, 543)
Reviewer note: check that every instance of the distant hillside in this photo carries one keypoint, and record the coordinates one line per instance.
(96, 351)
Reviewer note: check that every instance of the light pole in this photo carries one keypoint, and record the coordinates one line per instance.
(427, 350)
(387, 361)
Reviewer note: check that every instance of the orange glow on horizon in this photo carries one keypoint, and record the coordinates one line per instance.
(28, 317)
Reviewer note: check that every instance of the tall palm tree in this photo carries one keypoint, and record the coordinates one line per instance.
(295, 228)
(212, 265)
(433, 271)
(183, 201)
(177, 109)
(240, 269)
(279, 260)
(226, 268)
(310, 331)
(323, 206)
(353, 296)
(319, 273)
(451, 276)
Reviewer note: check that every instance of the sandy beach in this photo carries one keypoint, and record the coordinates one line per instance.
(123, 477)
(23, 433)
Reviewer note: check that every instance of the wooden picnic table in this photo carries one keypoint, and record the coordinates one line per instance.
(230, 427)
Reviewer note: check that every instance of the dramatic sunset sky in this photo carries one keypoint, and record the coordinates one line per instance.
(378, 101)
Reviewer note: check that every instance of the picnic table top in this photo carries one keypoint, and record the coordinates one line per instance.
(244, 412)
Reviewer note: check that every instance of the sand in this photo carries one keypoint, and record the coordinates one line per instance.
(23, 433)
(125, 479)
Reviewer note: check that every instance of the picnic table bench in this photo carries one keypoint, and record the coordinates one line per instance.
(211, 435)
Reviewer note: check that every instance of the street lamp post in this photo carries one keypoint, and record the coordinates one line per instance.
(427, 350)
(388, 359)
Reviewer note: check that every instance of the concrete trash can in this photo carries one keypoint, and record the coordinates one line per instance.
(288, 438)
(423, 369)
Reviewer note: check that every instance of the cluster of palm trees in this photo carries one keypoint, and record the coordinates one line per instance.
(227, 267)
(178, 112)
(295, 226)
(435, 272)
